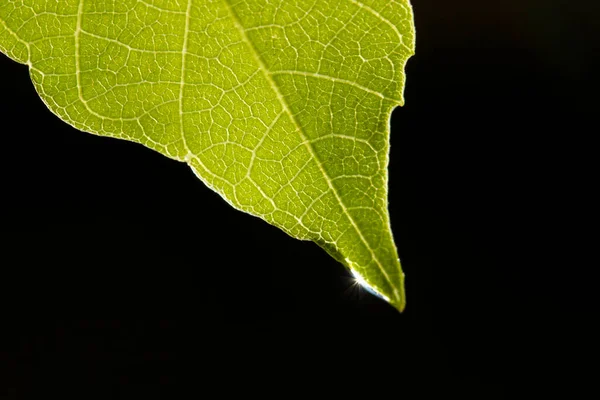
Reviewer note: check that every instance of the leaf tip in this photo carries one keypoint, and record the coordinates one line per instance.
(401, 305)
(399, 296)
(399, 302)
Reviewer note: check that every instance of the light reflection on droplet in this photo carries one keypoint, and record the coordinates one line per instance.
(361, 281)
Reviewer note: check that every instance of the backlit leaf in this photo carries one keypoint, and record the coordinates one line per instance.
(280, 106)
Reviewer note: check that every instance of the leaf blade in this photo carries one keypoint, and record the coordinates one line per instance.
(292, 140)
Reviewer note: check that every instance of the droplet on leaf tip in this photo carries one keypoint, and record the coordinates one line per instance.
(362, 282)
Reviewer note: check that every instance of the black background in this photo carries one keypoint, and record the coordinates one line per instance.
(123, 273)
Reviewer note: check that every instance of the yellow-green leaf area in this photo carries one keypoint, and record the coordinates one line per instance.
(280, 106)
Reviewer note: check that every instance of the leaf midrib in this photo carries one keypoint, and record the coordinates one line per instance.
(306, 141)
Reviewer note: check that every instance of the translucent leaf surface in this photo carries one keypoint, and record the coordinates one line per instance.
(282, 107)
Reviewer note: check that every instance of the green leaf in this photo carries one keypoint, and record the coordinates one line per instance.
(282, 107)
